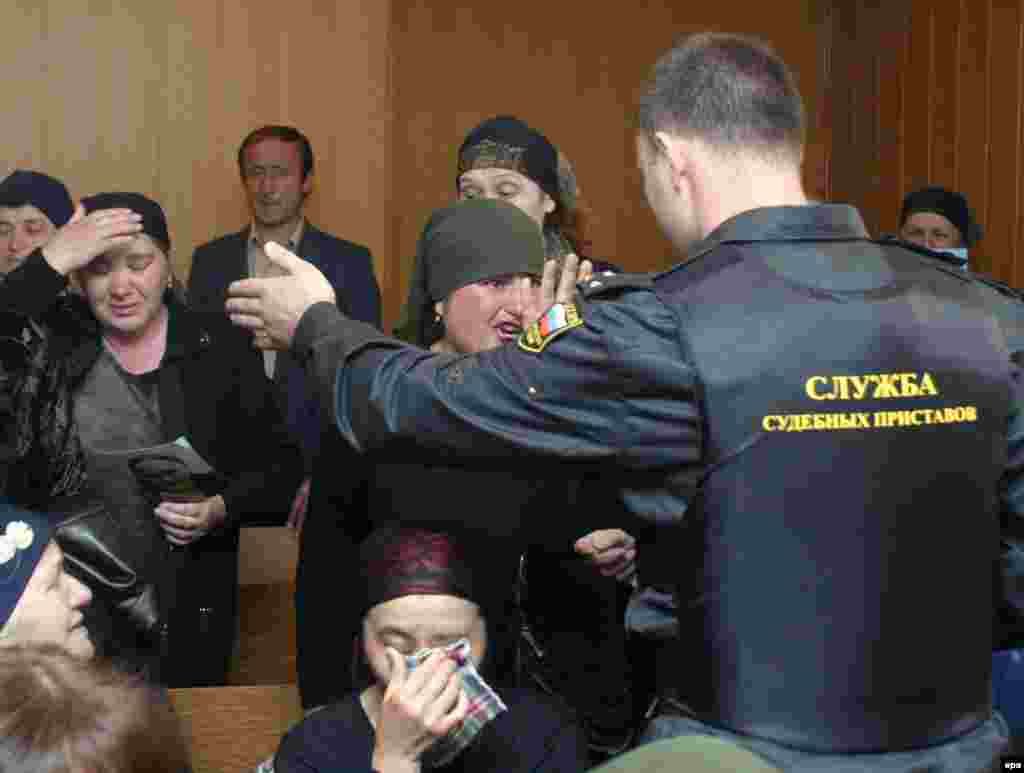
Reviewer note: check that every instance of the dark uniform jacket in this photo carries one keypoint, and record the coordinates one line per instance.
(828, 428)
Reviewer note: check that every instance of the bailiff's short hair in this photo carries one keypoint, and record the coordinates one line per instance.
(731, 91)
(60, 714)
(283, 133)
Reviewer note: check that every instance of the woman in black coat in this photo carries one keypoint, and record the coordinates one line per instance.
(117, 364)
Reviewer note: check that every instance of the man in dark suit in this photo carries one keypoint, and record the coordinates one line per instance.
(276, 167)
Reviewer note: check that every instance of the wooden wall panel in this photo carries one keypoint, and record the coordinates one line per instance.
(155, 97)
(572, 70)
(947, 110)
(112, 94)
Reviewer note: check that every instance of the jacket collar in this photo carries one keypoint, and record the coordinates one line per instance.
(815, 222)
(186, 336)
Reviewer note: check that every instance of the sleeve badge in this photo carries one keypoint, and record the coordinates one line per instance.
(559, 319)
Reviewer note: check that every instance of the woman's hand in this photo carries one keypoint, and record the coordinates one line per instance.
(84, 237)
(185, 522)
(416, 710)
(557, 286)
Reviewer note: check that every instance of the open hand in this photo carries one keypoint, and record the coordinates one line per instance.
(558, 285)
(272, 307)
(84, 237)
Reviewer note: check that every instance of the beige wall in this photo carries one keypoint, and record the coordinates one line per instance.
(155, 97)
(111, 94)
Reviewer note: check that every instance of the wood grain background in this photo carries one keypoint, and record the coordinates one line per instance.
(155, 97)
(929, 92)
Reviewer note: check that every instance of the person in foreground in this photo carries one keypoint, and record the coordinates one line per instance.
(40, 603)
(799, 408)
(60, 713)
(423, 638)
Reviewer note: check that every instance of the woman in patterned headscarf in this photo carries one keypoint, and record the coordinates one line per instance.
(505, 159)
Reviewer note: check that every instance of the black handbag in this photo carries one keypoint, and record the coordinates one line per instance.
(96, 552)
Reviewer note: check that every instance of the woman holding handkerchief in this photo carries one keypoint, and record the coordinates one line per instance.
(121, 367)
(424, 648)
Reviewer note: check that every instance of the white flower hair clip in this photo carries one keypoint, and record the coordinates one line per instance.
(17, 536)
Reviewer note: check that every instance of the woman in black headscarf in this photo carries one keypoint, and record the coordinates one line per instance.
(505, 159)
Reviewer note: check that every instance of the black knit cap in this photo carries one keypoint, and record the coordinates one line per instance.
(950, 204)
(45, 193)
(154, 224)
(506, 142)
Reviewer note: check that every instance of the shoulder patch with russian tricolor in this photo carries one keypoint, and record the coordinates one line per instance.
(559, 319)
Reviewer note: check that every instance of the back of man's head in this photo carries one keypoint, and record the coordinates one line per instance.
(732, 92)
(282, 133)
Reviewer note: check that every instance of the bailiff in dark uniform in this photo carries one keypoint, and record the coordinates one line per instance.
(827, 430)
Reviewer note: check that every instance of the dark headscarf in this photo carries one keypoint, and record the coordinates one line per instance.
(154, 223)
(464, 243)
(950, 204)
(506, 142)
(45, 193)
(396, 562)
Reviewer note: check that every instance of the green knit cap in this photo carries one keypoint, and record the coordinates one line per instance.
(463, 243)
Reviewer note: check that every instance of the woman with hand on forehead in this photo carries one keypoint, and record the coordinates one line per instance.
(124, 365)
(423, 606)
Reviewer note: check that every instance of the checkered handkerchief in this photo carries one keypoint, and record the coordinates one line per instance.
(484, 705)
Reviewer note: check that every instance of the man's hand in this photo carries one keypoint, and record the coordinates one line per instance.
(272, 307)
(185, 522)
(557, 286)
(417, 709)
(84, 237)
(611, 551)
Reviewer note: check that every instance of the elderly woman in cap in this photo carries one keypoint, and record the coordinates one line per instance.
(33, 206)
(124, 366)
(423, 635)
(939, 220)
(40, 603)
